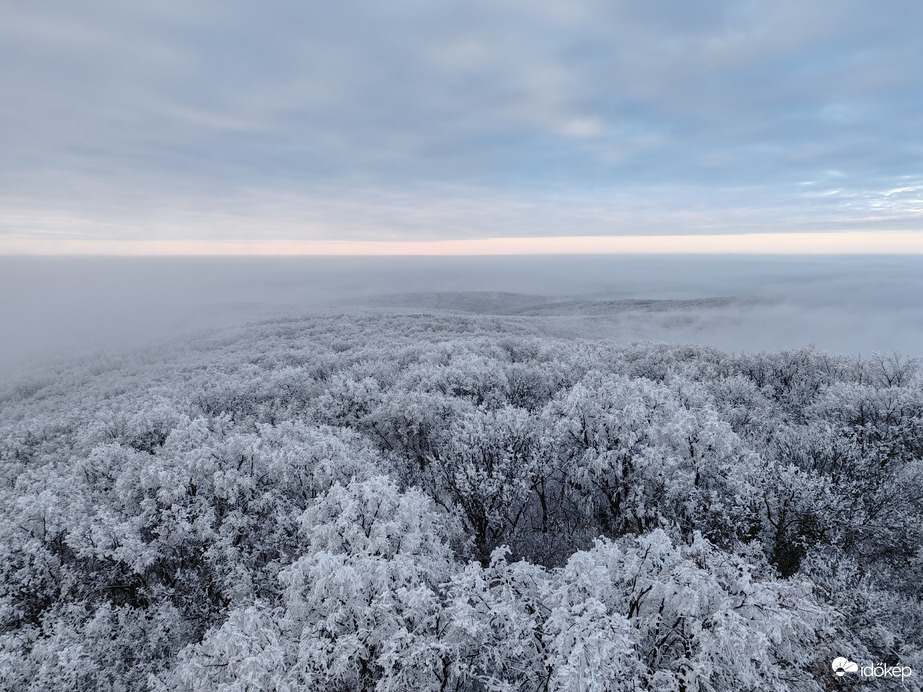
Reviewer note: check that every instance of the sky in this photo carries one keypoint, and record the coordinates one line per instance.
(419, 127)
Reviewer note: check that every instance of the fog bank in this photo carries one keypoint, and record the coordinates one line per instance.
(54, 308)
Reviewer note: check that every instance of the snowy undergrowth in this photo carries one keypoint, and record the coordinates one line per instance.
(458, 503)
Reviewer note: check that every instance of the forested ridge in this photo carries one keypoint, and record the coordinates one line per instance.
(445, 502)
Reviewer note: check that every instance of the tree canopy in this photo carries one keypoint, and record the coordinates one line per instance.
(438, 502)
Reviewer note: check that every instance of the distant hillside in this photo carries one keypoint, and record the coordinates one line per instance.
(590, 308)
(500, 303)
(476, 302)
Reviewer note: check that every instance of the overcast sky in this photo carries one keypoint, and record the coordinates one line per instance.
(422, 120)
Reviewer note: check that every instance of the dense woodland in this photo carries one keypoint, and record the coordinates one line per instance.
(444, 502)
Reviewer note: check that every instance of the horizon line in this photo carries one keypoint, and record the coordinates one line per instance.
(811, 243)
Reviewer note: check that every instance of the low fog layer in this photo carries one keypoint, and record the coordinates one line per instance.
(55, 308)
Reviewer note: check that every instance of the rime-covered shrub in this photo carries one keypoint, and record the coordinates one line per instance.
(458, 503)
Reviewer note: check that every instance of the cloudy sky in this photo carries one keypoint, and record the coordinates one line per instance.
(231, 126)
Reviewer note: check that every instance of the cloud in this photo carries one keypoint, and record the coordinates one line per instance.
(180, 119)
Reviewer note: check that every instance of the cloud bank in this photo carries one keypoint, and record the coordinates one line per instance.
(424, 121)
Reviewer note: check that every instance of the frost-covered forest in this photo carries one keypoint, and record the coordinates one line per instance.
(448, 502)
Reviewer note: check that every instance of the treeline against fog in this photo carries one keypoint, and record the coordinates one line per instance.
(458, 503)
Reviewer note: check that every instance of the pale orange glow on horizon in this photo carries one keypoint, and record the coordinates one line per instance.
(860, 242)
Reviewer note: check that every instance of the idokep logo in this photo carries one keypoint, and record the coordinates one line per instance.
(843, 666)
